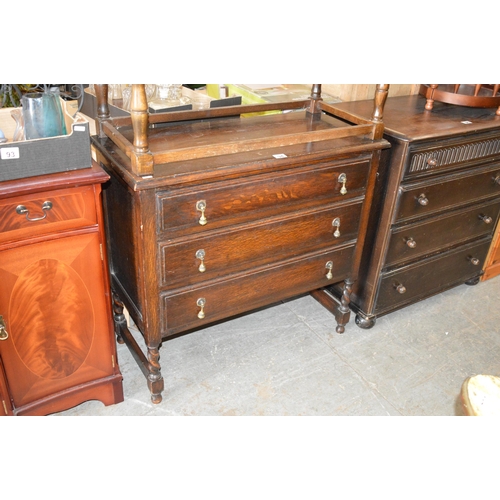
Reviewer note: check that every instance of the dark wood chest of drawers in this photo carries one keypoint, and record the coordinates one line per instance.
(436, 204)
(205, 239)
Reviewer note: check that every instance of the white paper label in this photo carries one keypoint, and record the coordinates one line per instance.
(9, 153)
(79, 128)
(280, 156)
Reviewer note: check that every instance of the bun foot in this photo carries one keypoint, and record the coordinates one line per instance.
(365, 323)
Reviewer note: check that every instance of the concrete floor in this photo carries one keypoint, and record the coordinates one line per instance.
(288, 360)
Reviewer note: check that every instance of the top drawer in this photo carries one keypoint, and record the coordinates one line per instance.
(450, 155)
(219, 205)
(425, 198)
(38, 214)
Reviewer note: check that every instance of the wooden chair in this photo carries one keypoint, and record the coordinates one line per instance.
(478, 95)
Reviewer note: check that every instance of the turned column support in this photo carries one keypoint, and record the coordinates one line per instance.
(314, 106)
(142, 159)
(380, 97)
(101, 92)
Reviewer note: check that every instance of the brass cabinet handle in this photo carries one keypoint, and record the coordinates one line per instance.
(473, 260)
(336, 224)
(329, 266)
(497, 179)
(410, 242)
(432, 162)
(201, 303)
(200, 254)
(3, 332)
(422, 199)
(201, 206)
(22, 210)
(400, 288)
(343, 180)
(486, 219)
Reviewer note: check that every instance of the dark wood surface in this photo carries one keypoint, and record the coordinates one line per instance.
(268, 230)
(436, 204)
(55, 299)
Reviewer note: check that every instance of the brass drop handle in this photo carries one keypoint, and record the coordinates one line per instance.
(329, 266)
(432, 162)
(422, 199)
(201, 303)
(400, 288)
(473, 260)
(201, 206)
(410, 242)
(336, 224)
(200, 254)
(486, 219)
(22, 210)
(343, 180)
(3, 332)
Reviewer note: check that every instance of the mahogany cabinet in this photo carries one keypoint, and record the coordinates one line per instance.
(235, 214)
(436, 204)
(57, 346)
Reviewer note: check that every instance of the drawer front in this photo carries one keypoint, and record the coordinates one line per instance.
(422, 199)
(250, 246)
(239, 201)
(436, 158)
(430, 276)
(34, 215)
(415, 240)
(226, 298)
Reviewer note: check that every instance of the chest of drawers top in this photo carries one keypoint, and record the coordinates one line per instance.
(446, 138)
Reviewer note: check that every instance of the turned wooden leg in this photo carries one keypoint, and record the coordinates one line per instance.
(155, 378)
(344, 311)
(430, 97)
(119, 317)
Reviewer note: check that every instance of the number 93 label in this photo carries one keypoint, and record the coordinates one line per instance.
(9, 153)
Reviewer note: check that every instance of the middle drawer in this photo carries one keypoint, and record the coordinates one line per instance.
(437, 233)
(221, 253)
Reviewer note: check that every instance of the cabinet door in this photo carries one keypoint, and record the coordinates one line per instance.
(55, 309)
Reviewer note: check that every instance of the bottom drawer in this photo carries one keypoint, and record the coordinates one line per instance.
(430, 276)
(223, 299)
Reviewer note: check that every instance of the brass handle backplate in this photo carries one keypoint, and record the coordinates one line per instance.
(22, 210)
(343, 180)
(3, 332)
(201, 206)
(200, 254)
(410, 242)
(336, 225)
(329, 266)
(422, 199)
(486, 219)
(201, 304)
(474, 261)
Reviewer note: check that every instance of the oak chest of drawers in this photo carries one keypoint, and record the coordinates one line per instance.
(57, 347)
(436, 204)
(204, 239)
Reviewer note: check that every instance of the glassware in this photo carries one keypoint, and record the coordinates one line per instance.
(170, 95)
(42, 113)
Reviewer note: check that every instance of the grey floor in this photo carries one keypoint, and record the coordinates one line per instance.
(288, 360)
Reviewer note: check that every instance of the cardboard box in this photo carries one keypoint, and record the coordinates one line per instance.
(49, 155)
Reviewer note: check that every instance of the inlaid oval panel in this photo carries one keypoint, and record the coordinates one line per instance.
(48, 305)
